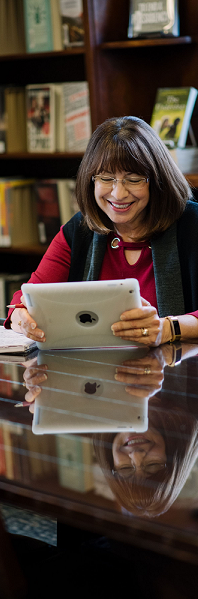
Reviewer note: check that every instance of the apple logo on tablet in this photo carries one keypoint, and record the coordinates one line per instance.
(91, 388)
(87, 319)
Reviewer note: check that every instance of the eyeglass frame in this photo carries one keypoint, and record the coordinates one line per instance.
(114, 180)
(116, 472)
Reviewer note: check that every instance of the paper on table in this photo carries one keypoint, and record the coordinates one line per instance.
(14, 343)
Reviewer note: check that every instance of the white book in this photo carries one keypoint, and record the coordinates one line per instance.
(14, 343)
(77, 120)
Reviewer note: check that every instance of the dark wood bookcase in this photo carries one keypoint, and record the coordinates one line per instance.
(123, 77)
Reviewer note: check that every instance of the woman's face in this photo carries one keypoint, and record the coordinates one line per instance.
(122, 206)
(144, 453)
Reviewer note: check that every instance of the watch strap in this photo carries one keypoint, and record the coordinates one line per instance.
(175, 328)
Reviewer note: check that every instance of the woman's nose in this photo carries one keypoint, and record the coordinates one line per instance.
(119, 191)
(136, 457)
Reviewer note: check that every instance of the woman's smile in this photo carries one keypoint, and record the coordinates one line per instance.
(121, 205)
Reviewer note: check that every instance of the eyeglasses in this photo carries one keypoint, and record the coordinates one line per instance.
(130, 183)
(127, 471)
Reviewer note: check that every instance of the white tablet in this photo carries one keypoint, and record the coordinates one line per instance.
(81, 394)
(80, 315)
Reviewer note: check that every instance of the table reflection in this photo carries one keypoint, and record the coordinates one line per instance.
(144, 432)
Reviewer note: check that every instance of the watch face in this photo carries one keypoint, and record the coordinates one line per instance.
(176, 327)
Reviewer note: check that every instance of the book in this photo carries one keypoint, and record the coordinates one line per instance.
(38, 26)
(71, 12)
(76, 115)
(41, 132)
(18, 217)
(172, 114)
(15, 111)
(12, 33)
(48, 213)
(186, 159)
(68, 205)
(56, 204)
(14, 343)
(2, 120)
(75, 462)
(9, 283)
(56, 25)
(153, 19)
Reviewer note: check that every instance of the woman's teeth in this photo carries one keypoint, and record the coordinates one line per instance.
(121, 206)
(136, 441)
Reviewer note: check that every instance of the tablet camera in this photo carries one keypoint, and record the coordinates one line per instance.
(87, 319)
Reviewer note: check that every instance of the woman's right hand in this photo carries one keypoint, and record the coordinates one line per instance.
(22, 322)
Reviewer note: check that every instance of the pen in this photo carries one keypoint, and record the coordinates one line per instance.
(22, 404)
(15, 306)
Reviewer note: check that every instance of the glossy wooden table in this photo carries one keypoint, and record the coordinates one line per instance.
(59, 473)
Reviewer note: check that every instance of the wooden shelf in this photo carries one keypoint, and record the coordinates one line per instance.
(141, 43)
(29, 250)
(192, 179)
(41, 155)
(68, 52)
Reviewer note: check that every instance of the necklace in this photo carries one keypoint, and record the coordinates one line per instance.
(130, 245)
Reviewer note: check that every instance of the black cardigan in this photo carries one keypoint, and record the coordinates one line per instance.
(174, 253)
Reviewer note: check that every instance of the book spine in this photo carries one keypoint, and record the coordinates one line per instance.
(41, 118)
(38, 26)
(77, 122)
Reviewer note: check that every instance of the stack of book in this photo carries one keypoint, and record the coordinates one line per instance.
(32, 211)
(45, 117)
(42, 26)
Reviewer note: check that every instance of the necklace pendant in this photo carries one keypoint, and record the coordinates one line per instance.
(115, 245)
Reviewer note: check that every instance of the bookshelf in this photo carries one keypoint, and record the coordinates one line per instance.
(123, 76)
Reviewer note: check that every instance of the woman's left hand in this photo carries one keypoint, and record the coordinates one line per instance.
(143, 325)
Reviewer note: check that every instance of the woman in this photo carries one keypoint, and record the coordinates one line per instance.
(147, 471)
(137, 220)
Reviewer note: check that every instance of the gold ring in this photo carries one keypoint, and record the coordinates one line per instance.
(147, 370)
(19, 323)
(144, 332)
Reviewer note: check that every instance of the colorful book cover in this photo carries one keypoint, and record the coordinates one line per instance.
(153, 18)
(40, 118)
(38, 26)
(71, 12)
(48, 213)
(77, 120)
(172, 114)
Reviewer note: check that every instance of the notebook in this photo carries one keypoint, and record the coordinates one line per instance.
(80, 314)
(81, 394)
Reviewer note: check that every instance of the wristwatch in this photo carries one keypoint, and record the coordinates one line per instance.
(175, 328)
(177, 354)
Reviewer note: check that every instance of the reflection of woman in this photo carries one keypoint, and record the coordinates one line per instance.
(136, 221)
(146, 472)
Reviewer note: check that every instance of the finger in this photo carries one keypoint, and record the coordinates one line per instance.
(36, 379)
(139, 313)
(142, 379)
(32, 393)
(22, 300)
(144, 302)
(31, 371)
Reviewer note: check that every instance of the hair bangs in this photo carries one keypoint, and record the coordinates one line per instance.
(117, 155)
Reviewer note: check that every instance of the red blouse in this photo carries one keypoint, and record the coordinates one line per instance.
(55, 264)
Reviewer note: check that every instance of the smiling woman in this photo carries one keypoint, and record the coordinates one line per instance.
(157, 467)
(137, 220)
(142, 454)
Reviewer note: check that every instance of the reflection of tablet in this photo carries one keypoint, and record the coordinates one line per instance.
(81, 394)
(81, 314)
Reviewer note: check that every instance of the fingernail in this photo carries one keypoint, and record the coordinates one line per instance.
(33, 325)
(41, 335)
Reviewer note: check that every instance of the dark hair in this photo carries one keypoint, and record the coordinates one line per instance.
(130, 144)
(153, 495)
